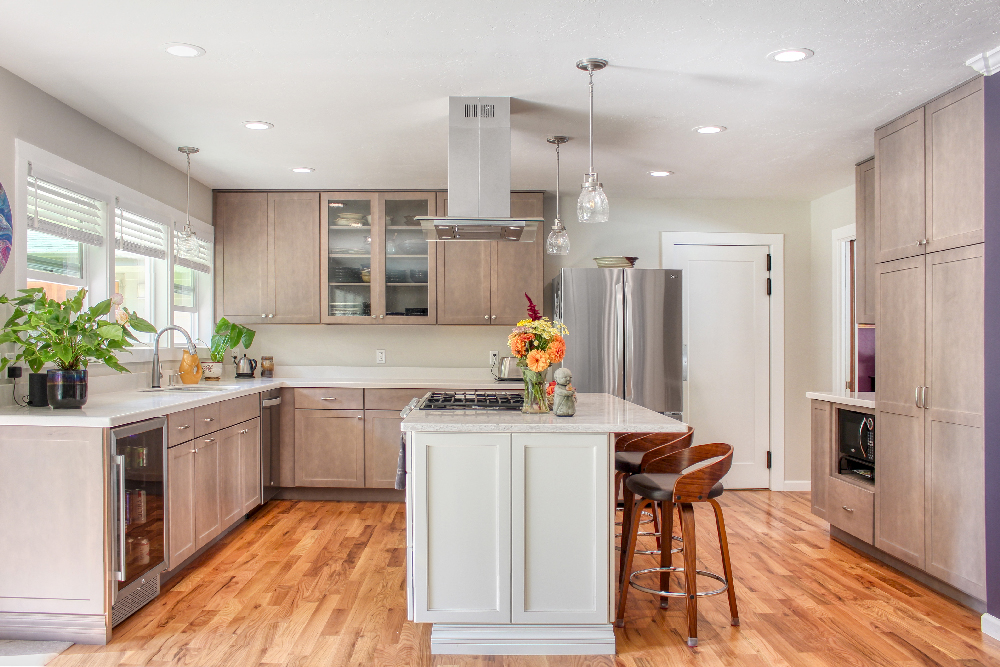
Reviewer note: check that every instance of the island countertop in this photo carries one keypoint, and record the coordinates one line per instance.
(595, 413)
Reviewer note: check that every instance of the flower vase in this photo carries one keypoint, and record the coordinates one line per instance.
(535, 400)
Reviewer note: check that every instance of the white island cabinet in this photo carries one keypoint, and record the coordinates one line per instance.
(510, 528)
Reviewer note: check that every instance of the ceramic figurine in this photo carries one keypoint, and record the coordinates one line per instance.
(190, 368)
(564, 396)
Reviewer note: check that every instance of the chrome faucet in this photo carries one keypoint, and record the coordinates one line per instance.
(156, 351)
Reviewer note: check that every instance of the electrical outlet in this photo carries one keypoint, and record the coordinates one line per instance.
(379, 356)
(494, 358)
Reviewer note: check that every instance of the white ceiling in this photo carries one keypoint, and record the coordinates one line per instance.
(359, 90)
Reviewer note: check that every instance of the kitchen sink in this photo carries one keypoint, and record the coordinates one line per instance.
(194, 388)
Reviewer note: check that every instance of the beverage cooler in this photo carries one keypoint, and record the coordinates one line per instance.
(139, 483)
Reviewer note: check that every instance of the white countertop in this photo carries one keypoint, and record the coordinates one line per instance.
(595, 413)
(124, 407)
(859, 399)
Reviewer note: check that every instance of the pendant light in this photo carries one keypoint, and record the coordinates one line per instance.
(187, 241)
(592, 206)
(558, 241)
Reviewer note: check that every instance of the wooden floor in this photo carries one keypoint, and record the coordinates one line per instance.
(322, 583)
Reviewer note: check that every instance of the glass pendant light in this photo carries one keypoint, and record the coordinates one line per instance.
(187, 241)
(558, 241)
(592, 206)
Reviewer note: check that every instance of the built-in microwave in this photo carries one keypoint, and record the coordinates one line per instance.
(856, 434)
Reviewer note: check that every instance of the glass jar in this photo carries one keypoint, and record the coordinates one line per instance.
(267, 367)
(535, 400)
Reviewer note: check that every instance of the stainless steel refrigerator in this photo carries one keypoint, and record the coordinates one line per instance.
(624, 333)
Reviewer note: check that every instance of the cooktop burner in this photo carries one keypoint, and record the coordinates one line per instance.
(471, 400)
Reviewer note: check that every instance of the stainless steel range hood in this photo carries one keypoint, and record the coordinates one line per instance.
(479, 176)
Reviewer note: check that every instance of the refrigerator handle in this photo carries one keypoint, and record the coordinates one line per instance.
(625, 340)
(684, 362)
(120, 466)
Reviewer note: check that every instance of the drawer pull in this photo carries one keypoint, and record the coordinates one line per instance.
(361, 417)
(181, 428)
(846, 508)
(246, 430)
(328, 398)
(209, 419)
(194, 451)
(209, 440)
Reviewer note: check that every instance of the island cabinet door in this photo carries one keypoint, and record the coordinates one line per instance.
(461, 532)
(560, 565)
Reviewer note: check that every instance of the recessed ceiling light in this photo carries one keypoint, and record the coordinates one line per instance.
(257, 125)
(709, 129)
(302, 170)
(185, 50)
(790, 55)
(660, 173)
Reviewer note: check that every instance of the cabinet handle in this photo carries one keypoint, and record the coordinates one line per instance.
(263, 315)
(271, 315)
(209, 440)
(194, 451)
(381, 316)
(328, 398)
(209, 419)
(494, 317)
(847, 508)
(486, 316)
(181, 428)
(923, 397)
(922, 242)
(916, 397)
(361, 417)
(246, 430)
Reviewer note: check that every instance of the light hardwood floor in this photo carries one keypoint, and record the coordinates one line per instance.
(322, 583)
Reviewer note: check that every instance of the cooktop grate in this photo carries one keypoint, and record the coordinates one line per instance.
(471, 400)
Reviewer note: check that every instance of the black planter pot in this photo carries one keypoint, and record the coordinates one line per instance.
(38, 392)
(67, 389)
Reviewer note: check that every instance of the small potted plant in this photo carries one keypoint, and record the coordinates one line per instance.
(62, 333)
(226, 337)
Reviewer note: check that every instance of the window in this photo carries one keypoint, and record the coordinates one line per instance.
(140, 264)
(192, 271)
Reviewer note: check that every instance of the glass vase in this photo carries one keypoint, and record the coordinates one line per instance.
(535, 400)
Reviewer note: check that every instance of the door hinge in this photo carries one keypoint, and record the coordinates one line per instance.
(769, 287)
(769, 459)
(769, 262)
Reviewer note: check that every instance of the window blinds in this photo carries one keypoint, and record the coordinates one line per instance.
(139, 235)
(63, 213)
(199, 260)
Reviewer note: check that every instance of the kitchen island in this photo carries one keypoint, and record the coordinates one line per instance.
(510, 526)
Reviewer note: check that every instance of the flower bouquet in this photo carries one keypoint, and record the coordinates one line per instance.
(537, 343)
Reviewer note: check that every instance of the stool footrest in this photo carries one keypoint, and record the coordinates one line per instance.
(677, 594)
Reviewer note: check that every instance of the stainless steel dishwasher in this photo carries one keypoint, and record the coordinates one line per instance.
(270, 443)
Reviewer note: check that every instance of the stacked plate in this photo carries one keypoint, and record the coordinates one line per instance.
(616, 262)
(351, 220)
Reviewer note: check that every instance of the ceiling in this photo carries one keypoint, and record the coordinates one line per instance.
(358, 90)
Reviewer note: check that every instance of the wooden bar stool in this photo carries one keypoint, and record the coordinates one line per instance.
(665, 483)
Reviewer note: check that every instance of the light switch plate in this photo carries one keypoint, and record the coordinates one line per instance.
(379, 356)
(494, 358)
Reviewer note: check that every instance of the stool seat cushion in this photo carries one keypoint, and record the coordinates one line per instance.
(629, 462)
(660, 486)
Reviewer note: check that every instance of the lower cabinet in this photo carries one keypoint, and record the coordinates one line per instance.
(250, 464)
(330, 448)
(207, 505)
(230, 479)
(180, 489)
(382, 435)
(821, 456)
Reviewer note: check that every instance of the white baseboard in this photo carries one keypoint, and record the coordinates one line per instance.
(797, 485)
(596, 639)
(991, 626)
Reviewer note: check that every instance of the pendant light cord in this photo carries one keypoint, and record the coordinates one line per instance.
(557, 185)
(590, 72)
(187, 211)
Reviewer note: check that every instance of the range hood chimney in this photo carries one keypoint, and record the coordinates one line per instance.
(479, 176)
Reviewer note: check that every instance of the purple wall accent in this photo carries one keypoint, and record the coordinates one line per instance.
(992, 345)
(866, 358)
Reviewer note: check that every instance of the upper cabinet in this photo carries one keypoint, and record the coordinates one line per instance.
(484, 282)
(899, 188)
(864, 179)
(267, 257)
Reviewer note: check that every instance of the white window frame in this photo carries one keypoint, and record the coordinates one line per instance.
(841, 302)
(99, 265)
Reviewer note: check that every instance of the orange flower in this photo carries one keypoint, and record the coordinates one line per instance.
(556, 350)
(538, 361)
(517, 346)
(551, 389)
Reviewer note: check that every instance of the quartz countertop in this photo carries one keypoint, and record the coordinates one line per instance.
(595, 413)
(859, 399)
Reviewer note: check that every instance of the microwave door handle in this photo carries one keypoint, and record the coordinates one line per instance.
(861, 438)
(120, 465)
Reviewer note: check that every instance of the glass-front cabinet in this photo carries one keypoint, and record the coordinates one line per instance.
(378, 268)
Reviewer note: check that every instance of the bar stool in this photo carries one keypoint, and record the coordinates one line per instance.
(664, 482)
(632, 452)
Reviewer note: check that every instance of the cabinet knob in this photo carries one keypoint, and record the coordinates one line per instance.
(494, 317)
(486, 316)
(194, 451)
(263, 315)
(361, 417)
(922, 242)
(271, 315)
(846, 508)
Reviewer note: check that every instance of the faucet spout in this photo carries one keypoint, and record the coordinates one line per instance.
(156, 351)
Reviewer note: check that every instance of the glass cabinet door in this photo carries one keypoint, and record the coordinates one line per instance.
(409, 287)
(351, 235)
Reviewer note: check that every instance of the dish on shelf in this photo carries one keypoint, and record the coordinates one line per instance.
(416, 312)
(396, 275)
(411, 247)
(349, 251)
(418, 275)
(344, 274)
(616, 262)
(366, 275)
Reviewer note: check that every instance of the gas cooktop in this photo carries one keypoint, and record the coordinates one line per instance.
(471, 400)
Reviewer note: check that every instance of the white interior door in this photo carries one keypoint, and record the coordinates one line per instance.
(727, 337)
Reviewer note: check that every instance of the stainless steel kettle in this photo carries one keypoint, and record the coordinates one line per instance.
(245, 367)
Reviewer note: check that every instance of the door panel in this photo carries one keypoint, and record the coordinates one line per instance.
(866, 242)
(653, 339)
(822, 444)
(464, 270)
(517, 267)
(329, 448)
(899, 187)
(293, 269)
(206, 494)
(249, 433)
(181, 482)
(382, 437)
(727, 333)
(230, 479)
(241, 261)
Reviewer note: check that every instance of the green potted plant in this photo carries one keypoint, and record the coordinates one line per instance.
(62, 333)
(226, 337)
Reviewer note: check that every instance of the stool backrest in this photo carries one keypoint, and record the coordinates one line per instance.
(675, 444)
(694, 485)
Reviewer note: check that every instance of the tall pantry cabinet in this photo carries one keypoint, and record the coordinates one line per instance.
(929, 197)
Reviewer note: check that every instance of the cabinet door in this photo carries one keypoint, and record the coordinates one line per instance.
(954, 463)
(350, 258)
(899, 187)
(329, 448)
(382, 436)
(293, 252)
(409, 291)
(461, 529)
(822, 455)
(864, 290)
(241, 259)
(230, 479)
(899, 423)
(464, 281)
(250, 464)
(517, 267)
(560, 569)
(955, 146)
(207, 520)
(181, 484)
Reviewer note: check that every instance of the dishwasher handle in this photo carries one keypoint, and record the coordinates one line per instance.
(270, 402)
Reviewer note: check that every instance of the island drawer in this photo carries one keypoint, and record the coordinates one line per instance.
(851, 508)
(331, 398)
(180, 427)
(207, 419)
(238, 410)
(391, 399)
